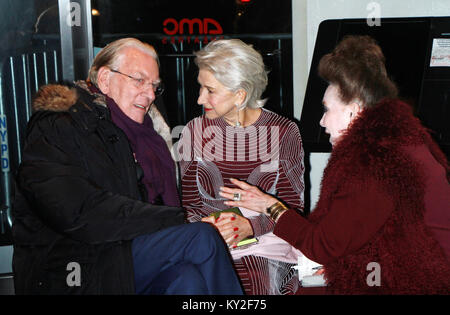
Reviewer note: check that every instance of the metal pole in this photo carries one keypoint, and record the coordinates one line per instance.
(65, 32)
(5, 171)
(88, 33)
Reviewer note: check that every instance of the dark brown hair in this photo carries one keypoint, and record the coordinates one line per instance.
(357, 67)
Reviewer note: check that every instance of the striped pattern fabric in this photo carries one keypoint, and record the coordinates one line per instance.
(263, 276)
(267, 154)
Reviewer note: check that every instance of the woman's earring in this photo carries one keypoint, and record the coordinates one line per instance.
(238, 124)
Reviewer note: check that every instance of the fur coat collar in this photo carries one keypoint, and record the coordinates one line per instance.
(373, 145)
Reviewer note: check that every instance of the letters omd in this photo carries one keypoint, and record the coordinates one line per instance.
(173, 27)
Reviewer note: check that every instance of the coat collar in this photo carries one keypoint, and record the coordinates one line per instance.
(388, 125)
(372, 146)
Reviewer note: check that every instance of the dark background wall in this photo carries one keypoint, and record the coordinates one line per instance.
(264, 23)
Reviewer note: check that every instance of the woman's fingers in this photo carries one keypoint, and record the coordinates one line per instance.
(230, 233)
(209, 219)
(233, 228)
(243, 187)
(241, 184)
(231, 191)
(254, 201)
(233, 241)
(225, 218)
(234, 237)
(231, 196)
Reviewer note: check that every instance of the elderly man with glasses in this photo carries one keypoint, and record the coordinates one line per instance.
(96, 207)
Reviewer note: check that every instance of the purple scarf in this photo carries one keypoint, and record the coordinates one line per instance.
(151, 152)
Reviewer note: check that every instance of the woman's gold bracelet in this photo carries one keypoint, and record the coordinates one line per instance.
(275, 210)
(277, 214)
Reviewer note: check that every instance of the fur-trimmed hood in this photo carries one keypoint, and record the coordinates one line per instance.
(60, 98)
(55, 97)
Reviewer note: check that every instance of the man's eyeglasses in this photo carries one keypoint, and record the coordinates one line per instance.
(158, 88)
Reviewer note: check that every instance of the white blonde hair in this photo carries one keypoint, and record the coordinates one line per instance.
(236, 65)
(110, 55)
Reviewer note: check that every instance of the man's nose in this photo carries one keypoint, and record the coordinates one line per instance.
(148, 92)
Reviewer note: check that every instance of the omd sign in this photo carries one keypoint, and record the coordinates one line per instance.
(205, 26)
(191, 30)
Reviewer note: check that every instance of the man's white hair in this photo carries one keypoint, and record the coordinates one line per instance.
(110, 56)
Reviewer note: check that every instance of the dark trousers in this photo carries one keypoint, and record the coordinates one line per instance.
(186, 259)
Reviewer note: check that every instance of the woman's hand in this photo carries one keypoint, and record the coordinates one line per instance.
(211, 219)
(319, 272)
(251, 197)
(233, 228)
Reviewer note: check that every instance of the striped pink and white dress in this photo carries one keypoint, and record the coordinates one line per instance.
(267, 154)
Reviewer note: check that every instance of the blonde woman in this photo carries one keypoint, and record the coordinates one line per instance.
(237, 138)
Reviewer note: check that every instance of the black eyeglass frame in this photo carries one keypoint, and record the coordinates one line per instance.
(158, 88)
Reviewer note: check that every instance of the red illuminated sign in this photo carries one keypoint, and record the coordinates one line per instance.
(203, 26)
(187, 27)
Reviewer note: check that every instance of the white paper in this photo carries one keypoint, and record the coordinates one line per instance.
(306, 269)
(440, 53)
(313, 281)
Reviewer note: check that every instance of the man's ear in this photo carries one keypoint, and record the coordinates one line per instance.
(103, 79)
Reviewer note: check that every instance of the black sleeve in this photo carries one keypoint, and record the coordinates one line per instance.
(56, 183)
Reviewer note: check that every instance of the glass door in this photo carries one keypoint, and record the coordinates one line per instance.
(41, 42)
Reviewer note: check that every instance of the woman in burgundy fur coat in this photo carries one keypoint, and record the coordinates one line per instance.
(385, 194)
